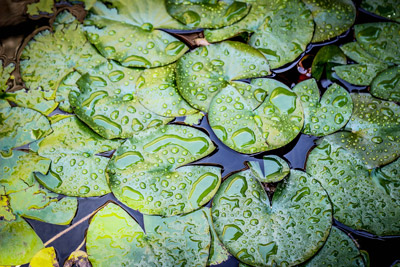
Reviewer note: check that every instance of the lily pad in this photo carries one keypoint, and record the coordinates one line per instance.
(362, 200)
(21, 126)
(380, 39)
(260, 233)
(20, 239)
(203, 72)
(282, 30)
(41, 6)
(386, 84)
(339, 250)
(129, 32)
(4, 104)
(46, 257)
(5, 75)
(328, 114)
(327, 58)
(332, 17)
(50, 56)
(207, 13)
(76, 168)
(148, 171)
(275, 169)
(67, 85)
(114, 238)
(249, 128)
(389, 9)
(78, 258)
(117, 102)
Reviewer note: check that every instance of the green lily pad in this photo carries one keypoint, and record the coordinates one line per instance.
(21, 126)
(218, 252)
(203, 72)
(362, 200)
(389, 9)
(332, 17)
(275, 169)
(67, 85)
(46, 257)
(380, 39)
(76, 168)
(248, 128)
(260, 233)
(147, 172)
(328, 114)
(20, 239)
(50, 56)
(4, 104)
(117, 102)
(5, 75)
(339, 250)
(128, 32)
(207, 13)
(386, 84)
(114, 238)
(327, 57)
(41, 6)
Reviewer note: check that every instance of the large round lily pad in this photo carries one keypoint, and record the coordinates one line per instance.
(363, 200)
(203, 72)
(328, 114)
(247, 126)
(332, 17)
(386, 84)
(114, 238)
(389, 9)
(129, 32)
(207, 13)
(21, 126)
(287, 231)
(339, 250)
(148, 171)
(76, 168)
(282, 30)
(117, 102)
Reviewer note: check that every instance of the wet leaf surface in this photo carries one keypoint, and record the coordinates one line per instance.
(149, 172)
(260, 233)
(326, 115)
(114, 238)
(332, 17)
(21, 126)
(386, 84)
(339, 250)
(246, 125)
(76, 169)
(326, 58)
(128, 32)
(203, 72)
(207, 14)
(275, 169)
(46, 257)
(389, 9)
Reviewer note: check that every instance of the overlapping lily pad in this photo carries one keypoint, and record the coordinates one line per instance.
(117, 102)
(203, 72)
(114, 238)
(50, 56)
(46, 257)
(5, 75)
(332, 17)
(76, 168)
(386, 84)
(21, 126)
(77, 258)
(324, 61)
(249, 126)
(148, 171)
(339, 250)
(129, 32)
(282, 30)
(389, 9)
(328, 114)
(361, 199)
(206, 13)
(275, 169)
(287, 231)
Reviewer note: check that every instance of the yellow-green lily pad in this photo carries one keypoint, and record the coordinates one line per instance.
(5, 75)
(46, 257)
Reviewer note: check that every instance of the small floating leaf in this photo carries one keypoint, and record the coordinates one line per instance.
(207, 14)
(133, 37)
(389, 9)
(327, 57)
(21, 126)
(203, 72)
(259, 233)
(76, 169)
(147, 172)
(332, 17)
(275, 169)
(386, 85)
(46, 257)
(326, 115)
